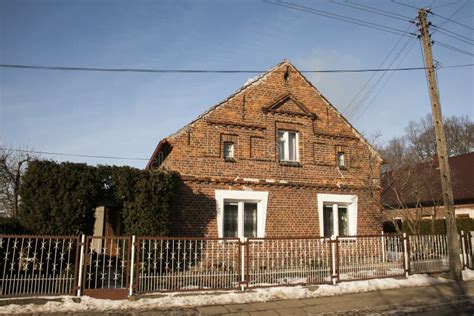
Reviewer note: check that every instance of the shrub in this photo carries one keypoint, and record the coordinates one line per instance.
(466, 224)
(60, 198)
(11, 226)
(147, 213)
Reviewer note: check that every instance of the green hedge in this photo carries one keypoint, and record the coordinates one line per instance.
(60, 198)
(11, 226)
(466, 224)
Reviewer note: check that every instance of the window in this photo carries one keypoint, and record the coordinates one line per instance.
(231, 216)
(341, 163)
(250, 219)
(337, 214)
(240, 219)
(335, 220)
(241, 214)
(288, 146)
(228, 150)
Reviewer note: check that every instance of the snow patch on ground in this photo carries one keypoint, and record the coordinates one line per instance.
(468, 275)
(174, 300)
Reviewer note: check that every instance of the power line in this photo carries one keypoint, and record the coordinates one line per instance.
(452, 15)
(339, 17)
(465, 17)
(454, 48)
(149, 70)
(372, 10)
(404, 4)
(358, 116)
(369, 92)
(453, 21)
(360, 104)
(439, 29)
(73, 155)
(454, 35)
(191, 71)
(445, 5)
(366, 107)
(380, 10)
(374, 73)
(456, 66)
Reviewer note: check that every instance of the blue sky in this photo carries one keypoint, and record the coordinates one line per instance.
(126, 114)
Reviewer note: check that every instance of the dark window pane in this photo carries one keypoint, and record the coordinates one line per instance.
(250, 219)
(292, 146)
(328, 221)
(230, 220)
(343, 221)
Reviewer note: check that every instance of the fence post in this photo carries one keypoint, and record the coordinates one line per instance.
(406, 254)
(463, 250)
(383, 248)
(334, 255)
(469, 250)
(81, 265)
(132, 266)
(243, 256)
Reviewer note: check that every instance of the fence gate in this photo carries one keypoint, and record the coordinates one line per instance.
(106, 267)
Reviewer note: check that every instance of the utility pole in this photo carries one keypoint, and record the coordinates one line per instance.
(446, 184)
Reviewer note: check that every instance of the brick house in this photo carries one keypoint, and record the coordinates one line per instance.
(274, 159)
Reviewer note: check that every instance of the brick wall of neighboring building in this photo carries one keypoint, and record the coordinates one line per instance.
(250, 119)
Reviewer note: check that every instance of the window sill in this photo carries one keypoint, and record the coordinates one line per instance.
(232, 160)
(290, 163)
(342, 238)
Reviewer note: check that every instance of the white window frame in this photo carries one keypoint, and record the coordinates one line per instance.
(286, 149)
(259, 197)
(231, 151)
(338, 199)
(338, 160)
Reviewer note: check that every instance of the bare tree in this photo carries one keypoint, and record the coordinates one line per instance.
(13, 164)
(410, 180)
(420, 137)
(459, 135)
(410, 191)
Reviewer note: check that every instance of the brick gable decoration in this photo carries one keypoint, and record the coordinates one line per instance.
(273, 159)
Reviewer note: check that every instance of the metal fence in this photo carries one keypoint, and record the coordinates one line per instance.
(183, 264)
(120, 266)
(467, 251)
(283, 261)
(38, 265)
(368, 257)
(428, 253)
(106, 265)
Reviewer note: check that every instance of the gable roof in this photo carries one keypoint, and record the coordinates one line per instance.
(462, 174)
(254, 81)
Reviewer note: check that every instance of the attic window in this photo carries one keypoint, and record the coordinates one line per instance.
(341, 162)
(228, 151)
(288, 146)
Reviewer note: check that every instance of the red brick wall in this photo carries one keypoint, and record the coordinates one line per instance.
(292, 210)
